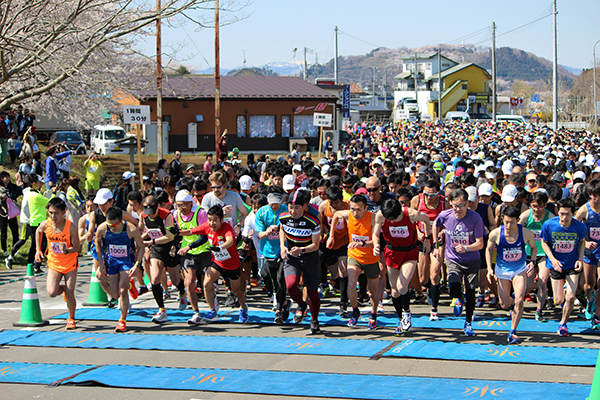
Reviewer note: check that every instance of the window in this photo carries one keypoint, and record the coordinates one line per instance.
(428, 66)
(464, 86)
(286, 125)
(241, 126)
(303, 126)
(262, 126)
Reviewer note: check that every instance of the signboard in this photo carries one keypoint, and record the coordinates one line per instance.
(535, 98)
(346, 98)
(192, 135)
(346, 123)
(401, 114)
(521, 102)
(425, 117)
(136, 115)
(299, 109)
(514, 102)
(320, 106)
(320, 119)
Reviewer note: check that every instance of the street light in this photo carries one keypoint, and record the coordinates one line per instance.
(595, 101)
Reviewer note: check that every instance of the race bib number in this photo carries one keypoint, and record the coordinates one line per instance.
(357, 238)
(455, 240)
(510, 255)
(399, 231)
(340, 224)
(155, 233)
(564, 246)
(537, 235)
(273, 236)
(222, 255)
(595, 233)
(229, 220)
(55, 248)
(93, 169)
(117, 250)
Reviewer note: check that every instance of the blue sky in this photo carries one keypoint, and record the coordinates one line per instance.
(272, 29)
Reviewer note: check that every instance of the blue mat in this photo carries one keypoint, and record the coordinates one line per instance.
(200, 343)
(285, 383)
(387, 320)
(308, 346)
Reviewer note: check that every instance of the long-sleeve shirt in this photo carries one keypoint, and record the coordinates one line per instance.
(51, 169)
(37, 207)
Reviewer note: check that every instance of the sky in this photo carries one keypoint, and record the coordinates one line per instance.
(269, 30)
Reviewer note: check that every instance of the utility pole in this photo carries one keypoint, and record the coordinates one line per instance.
(217, 82)
(415, 75)
(305, 65)
(494, 99)
(159, 132)
(384, 87)
(373, 101)
(439, 85)
(335, 60)
(555, 73)
(595, 98)
(316, 65)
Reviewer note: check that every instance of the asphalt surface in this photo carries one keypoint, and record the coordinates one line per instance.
(10, 306)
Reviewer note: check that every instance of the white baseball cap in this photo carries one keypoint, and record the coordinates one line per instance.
(325, 170)
(472, 191)
(485, 189)
(102, 196)
(509, 193)
(184, 195)
(579, 175)
(289, 183)
(297, 167)
(128, 175)
(246, 182)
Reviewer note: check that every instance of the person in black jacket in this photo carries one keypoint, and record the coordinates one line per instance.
(175, 167)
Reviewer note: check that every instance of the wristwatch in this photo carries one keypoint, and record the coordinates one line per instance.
(153, 241)
(364, 243)
(428, 237)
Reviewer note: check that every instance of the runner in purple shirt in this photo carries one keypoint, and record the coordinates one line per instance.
(464, 230)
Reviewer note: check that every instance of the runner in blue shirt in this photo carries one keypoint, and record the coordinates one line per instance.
(563, 241)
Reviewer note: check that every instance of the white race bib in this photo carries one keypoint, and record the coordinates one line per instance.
(155, 233)
(340, 224)
(537, 235)
(222, 255)
(117, 250)
(564, 246)
(229, 220)
(93, 169)
(55, 247)
(399, 231)
(595, 233)
(510, 255)
(274, 235)
(357, 238)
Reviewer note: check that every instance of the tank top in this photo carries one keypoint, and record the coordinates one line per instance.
(431, 214)
(156, 228)
(118, 248)
(536, 228)
(482, 210)
(593, 224)
(187, 240)
(58, 261)
(511, 256)
(401, 233)
(340, 233)
(359, 230)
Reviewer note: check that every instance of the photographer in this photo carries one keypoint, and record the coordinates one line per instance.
(92, 173)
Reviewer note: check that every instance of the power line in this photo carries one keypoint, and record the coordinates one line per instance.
(360, 40)
(523, 26)
(470, 35)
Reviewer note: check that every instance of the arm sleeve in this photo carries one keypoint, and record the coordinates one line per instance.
(199, 242)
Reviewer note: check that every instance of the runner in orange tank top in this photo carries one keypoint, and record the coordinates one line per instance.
(360, 255)
(63, 245)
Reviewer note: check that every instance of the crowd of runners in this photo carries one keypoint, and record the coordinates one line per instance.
(491, 215)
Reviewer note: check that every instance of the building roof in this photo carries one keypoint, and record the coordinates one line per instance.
(424, 56)
(355, 89)
(403, 75)
(233, 87)
(459, 67)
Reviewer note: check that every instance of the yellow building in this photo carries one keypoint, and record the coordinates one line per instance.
(465, 87)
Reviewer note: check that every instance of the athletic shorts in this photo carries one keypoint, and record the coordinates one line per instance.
(508, 275)
(307, 266)
(554, 274)
(590, 258)
(538, 261)
(64, 271)
(115, 269)
(231, 274)
(199, 262)
(396, 259)
(372, 271)
(331, 256)
(470, 271)
(161, 253)
(92, 185)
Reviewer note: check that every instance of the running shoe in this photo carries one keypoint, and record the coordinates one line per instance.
(364, 298)
(182, 302)
(160, 317)
(314, 327)
(143, 290)
(420, 299)
(216, 301)
(8, 262)
(211, 316)
(372, 324)
(458, 307)
(480, 301)
(493, 302)
(166, 295)
(539, 316)
(406, 321)
(299, 316)
(353, 321)
(70, 324)
(512, 337)
(6, 253)
(38, 270)
(278, 317)
(133, 290)
(112, 303)
(468, 329)
(121, 326)
(285, 311)
(230, 302)
(244, 315)
(399, 331)
(196, 320)
(591, 307)
(596, 323)
(253, 282)
(563, 330)
(433, 316)
(343, 310)
(528, 297)
(380, 308)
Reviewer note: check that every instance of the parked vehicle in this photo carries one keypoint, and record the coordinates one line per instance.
(458, 116)
(479, 116)
(410, 105)
(103, 139)
(71, 139)
(512, 119)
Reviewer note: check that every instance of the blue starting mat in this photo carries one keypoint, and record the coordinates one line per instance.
(387, 320)
(282, 383)
(308, 346)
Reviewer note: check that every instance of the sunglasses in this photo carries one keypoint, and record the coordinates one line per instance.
(347, 186)
(373, 189)
(216, 187)
(430, 194)
(322, 193)
(113, 225)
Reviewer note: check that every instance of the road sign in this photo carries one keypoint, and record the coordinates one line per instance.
(136, 115)
(535, 98)
(521, 102)
(514, 102)
(320, 119)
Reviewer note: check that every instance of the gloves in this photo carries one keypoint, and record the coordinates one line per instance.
(216, 249)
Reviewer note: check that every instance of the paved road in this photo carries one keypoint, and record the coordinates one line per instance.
(10, 298)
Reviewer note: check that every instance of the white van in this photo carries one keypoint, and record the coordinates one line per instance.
(512, 119)
(458, 116)
(103, 139)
